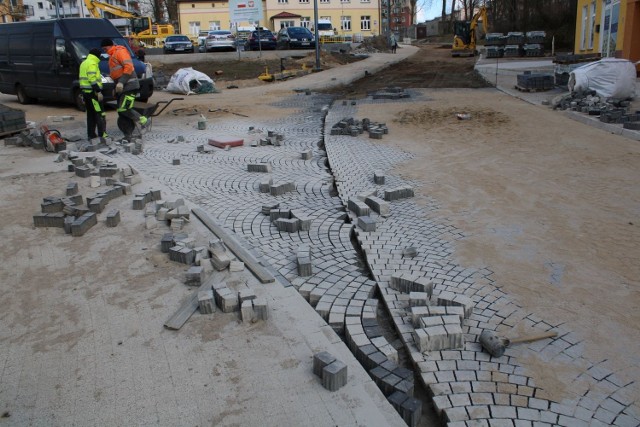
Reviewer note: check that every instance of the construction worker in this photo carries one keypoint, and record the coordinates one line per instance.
(91, 86)
(124, 76)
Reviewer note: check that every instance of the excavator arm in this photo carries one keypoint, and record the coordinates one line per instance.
(95, 7)
(465, 38)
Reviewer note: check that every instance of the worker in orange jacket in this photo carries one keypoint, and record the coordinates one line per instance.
(124, 76)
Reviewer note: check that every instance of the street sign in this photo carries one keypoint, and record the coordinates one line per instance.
(245, 10)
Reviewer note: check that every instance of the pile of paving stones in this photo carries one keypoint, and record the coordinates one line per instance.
(70, 212)
(287, 220)
(353, 127)
(11, 120)
(609, 110)
(535, 82)
(332, 372)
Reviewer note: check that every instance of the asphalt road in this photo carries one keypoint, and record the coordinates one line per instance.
(158, 57)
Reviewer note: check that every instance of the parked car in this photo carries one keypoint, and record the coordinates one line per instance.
(295, 38)
(264, 39)
(220, 40)
(178, 43)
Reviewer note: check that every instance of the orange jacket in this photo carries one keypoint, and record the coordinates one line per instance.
(120, 63)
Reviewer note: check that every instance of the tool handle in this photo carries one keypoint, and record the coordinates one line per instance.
(537, 337)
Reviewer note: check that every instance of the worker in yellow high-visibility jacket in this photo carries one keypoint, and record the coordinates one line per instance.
(91, 86)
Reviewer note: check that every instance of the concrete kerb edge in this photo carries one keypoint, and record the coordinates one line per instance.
(261, 273)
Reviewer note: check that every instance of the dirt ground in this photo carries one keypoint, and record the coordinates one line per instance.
(550, 205)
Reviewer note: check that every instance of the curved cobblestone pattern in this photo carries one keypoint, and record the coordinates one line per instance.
(469, 386)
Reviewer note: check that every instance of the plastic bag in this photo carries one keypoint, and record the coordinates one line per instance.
(188, 81)
(609, 77)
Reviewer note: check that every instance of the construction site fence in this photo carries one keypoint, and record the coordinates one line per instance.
(351, 38)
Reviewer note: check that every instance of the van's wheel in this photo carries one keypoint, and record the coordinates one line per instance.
(23, 98)
(78, 100)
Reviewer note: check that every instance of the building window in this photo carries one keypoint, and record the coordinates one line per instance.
(365, 1)
(194, 27)
(345, 1)
(365, 23)
(283, 1)
(593, 24)
(214, 25)
(287, 24)
(324, 1)
(305, 21)
(345, 23)
(583, 30)
(304, 1)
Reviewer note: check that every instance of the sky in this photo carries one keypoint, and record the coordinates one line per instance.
(430, 12)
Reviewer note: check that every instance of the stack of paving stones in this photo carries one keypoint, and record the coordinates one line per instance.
(378, 177)
(195, 276)
(303, 258)
(495, 39)
(252, 308)
(468, 386)
(273, 138)
(348, 126)
(352, 127)
(332, 372)
(289, 221)
(535, 82)
(11, 120)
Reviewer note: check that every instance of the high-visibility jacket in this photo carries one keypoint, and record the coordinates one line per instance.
(121, 67)
(90, 77)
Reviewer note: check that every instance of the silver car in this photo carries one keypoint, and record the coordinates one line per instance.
(220, 40)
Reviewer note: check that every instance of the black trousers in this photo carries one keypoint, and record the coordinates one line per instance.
(127, 116)
(96, 117)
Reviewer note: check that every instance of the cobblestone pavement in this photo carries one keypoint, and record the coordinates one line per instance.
(468, 386)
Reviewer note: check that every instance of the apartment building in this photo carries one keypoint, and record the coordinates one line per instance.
(608, 27)
(355, 18)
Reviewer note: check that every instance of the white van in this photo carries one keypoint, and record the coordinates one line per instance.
(325, 29)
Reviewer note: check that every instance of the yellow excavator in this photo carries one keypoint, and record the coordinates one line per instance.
(142, 27)
(464, 38)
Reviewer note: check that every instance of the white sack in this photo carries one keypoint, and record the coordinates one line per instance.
(186, 81)
(609, 77)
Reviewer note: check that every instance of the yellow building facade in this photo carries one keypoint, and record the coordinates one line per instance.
(608, 27)
(355, 18)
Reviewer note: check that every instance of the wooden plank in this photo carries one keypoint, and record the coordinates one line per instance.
(263, 275)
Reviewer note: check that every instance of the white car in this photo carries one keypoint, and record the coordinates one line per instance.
(219, 40)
